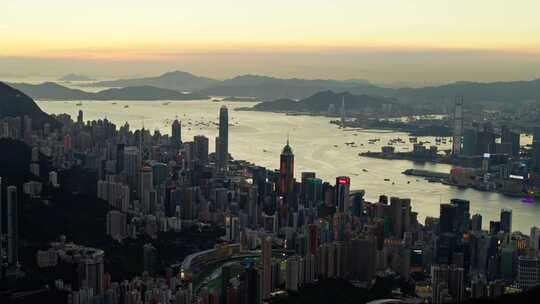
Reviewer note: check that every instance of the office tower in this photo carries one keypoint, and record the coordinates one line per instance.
(176, 134)
(470, 138)
(291, 282)
(528, 272)
(462, 214)
(512, 139)
(447, 218)
(200, 149)
(266, 252)
(145, 188)
(494, 227)
(53, 179)
(80, 119)
(456, 282)
(458, 127)
(358, 203)
(286, 172)
(439, 281)
(119, 158)
(476, 222)
(312, 188)
(535, 238)
(12, 225)
(343, 184)
(223, 156)
(401, 213)
(507, 264)
(160, 172)
(506, 220)
(132, 165)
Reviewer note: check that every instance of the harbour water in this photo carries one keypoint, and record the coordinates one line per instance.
(318, 146)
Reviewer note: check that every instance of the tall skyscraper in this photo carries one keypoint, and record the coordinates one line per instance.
(200, 149)
(119, 158)
(176, 134)
(286, 171)
(506, 220)
(80, 118)
(266, 251)
(458, 127)
(147, 185)
(447, 218)
(12, 225)
(223, 156)
(343, 184)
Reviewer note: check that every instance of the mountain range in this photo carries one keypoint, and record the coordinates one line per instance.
(54, 91)
(271, 88)
(15, 103)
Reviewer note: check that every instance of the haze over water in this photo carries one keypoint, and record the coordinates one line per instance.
(258, 137)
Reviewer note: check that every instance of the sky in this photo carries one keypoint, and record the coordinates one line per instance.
(422, 41)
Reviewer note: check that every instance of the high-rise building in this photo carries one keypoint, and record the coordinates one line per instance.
(286, 172)
(266, 252)
(528, 272)
(223, 156)
(458, 127)
(176, 134)
(147, 185)
(200, 149)
(12, 225)
(506, 220)
(512, 139)
(119, 158)
(447, 218)
(80, 119)
(476, 222)
(462, 214)
(291, 283)
(343, 184)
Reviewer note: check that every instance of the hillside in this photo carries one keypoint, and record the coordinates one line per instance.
(15, 103)
(321, 101)
(53, 91)
(177, 80)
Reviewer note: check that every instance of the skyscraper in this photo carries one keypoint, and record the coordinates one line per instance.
(176, 134)
(12, 225)
(80, 118)
(458, 127)
(200, 149)
(286, 171)
(343, 184)
(223, 149)
(506, 220)
(266, 252)
(147, 184)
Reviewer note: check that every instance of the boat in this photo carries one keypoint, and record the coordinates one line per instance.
(335, 146)
(386, 179)
(114, 103)
(126, 106)
(364, 170)
(78, 104)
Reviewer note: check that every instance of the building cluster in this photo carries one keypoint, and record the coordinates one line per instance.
(280, 232)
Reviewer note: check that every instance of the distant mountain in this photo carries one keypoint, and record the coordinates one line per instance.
(53, 91)
(270, 88)
(321, 101)
(15, 103)
(509, 92)
(177, 80)
(75, 77)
